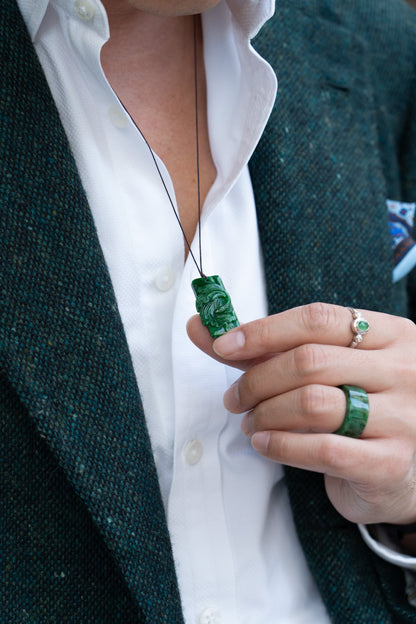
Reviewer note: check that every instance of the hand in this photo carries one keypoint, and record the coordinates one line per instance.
(294, 362)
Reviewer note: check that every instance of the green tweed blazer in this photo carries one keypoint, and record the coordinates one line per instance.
(83, 537)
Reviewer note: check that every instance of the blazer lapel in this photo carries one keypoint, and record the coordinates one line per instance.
(61, 338)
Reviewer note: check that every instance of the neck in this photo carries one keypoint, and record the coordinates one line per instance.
(160, 7)
(147, 39)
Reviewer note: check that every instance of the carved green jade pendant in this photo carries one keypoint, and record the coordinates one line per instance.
(214, 306)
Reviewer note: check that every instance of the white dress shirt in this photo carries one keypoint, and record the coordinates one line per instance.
(237, 556)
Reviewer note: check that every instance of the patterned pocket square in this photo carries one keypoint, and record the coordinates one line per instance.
(401, 218)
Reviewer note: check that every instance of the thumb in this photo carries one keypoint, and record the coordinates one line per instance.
(202, 339)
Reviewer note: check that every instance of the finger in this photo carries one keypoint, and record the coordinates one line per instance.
(308, 365)
(373, 471)
(337, 456)
(316, 323)
(322, 409)
(311, 409)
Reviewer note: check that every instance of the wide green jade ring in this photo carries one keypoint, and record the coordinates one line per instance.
(213, 304)
(356, 414)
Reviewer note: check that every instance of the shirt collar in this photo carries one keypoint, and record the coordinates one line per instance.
(33, 12)
(250, 15)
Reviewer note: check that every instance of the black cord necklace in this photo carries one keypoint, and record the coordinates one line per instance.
(213, 302)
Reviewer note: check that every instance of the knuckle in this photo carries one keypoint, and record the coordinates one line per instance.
(281, 447)
(258, 417)
(263, 332)
(405, 327)
(247, 386)
(309, 359)
(402, 465)
(333, 454)
(396, 472)
(402, 371)
(311, 400)
(317, 316)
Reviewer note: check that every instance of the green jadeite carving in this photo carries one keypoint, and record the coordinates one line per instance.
(214, 306)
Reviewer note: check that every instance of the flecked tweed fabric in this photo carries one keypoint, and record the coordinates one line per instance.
(83, 536)
(342, 139)
(83, 532)
(343, 121)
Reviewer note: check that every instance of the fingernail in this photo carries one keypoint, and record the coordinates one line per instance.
(247, 425)
(229, 343)
(260, 441)
(232, 398)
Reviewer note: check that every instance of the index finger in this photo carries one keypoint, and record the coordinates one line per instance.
(315, 323)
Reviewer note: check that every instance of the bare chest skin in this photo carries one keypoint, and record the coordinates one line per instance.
(155, 81)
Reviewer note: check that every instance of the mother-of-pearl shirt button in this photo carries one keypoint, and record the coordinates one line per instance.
(193, 451)
(84, 9)
(165, 279)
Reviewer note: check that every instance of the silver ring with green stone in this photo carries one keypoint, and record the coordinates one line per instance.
(359, 326)
(356, 414)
